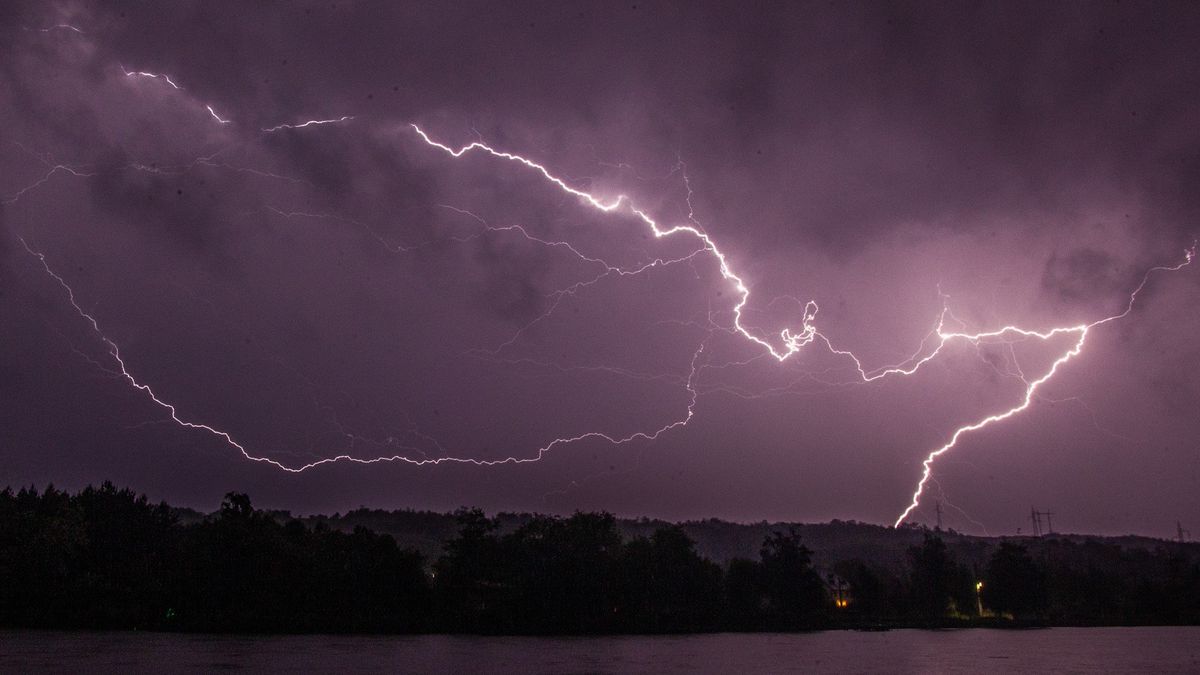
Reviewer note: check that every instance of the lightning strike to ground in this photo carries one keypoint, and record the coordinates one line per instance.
(1032, 386)
(789, 341)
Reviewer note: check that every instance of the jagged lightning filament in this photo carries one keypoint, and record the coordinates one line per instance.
(793, 342)
(789, 341)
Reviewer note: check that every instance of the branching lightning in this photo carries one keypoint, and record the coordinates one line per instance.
(792, 342)
(1081, 333)
(789, 343)
(123, 371)
(781, 347)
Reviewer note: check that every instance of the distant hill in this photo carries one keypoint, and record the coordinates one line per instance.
(722, 541)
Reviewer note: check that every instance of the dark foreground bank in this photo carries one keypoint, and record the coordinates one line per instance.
(108, 559)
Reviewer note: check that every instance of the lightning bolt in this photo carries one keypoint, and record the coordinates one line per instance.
(301, 125)
(215, 116)
(12, 199)
(154, 76)
(1081, 331)
(60, 26)
(558, 295)
(787, 343)
(123, 372)
(792, 342)
(167, 78)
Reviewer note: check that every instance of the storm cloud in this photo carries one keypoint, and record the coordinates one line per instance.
(344, 288)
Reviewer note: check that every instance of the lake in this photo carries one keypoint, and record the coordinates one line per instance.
(1063, 650)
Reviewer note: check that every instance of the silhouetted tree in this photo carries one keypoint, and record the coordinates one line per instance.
(938, 584)
(745, 596)
(1014, 583)
(469, 576)
(666, 586)
(562, 573)
(795, 594)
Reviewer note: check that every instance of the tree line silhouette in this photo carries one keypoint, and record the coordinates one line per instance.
(106, 558)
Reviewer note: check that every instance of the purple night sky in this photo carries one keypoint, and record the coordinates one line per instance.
(346, 288)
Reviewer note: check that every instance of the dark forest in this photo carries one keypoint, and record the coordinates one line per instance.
(107, 558)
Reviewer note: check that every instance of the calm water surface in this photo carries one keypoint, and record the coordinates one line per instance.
(1060, 650)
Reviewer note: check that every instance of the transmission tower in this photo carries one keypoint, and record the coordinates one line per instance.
(1036, 516)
